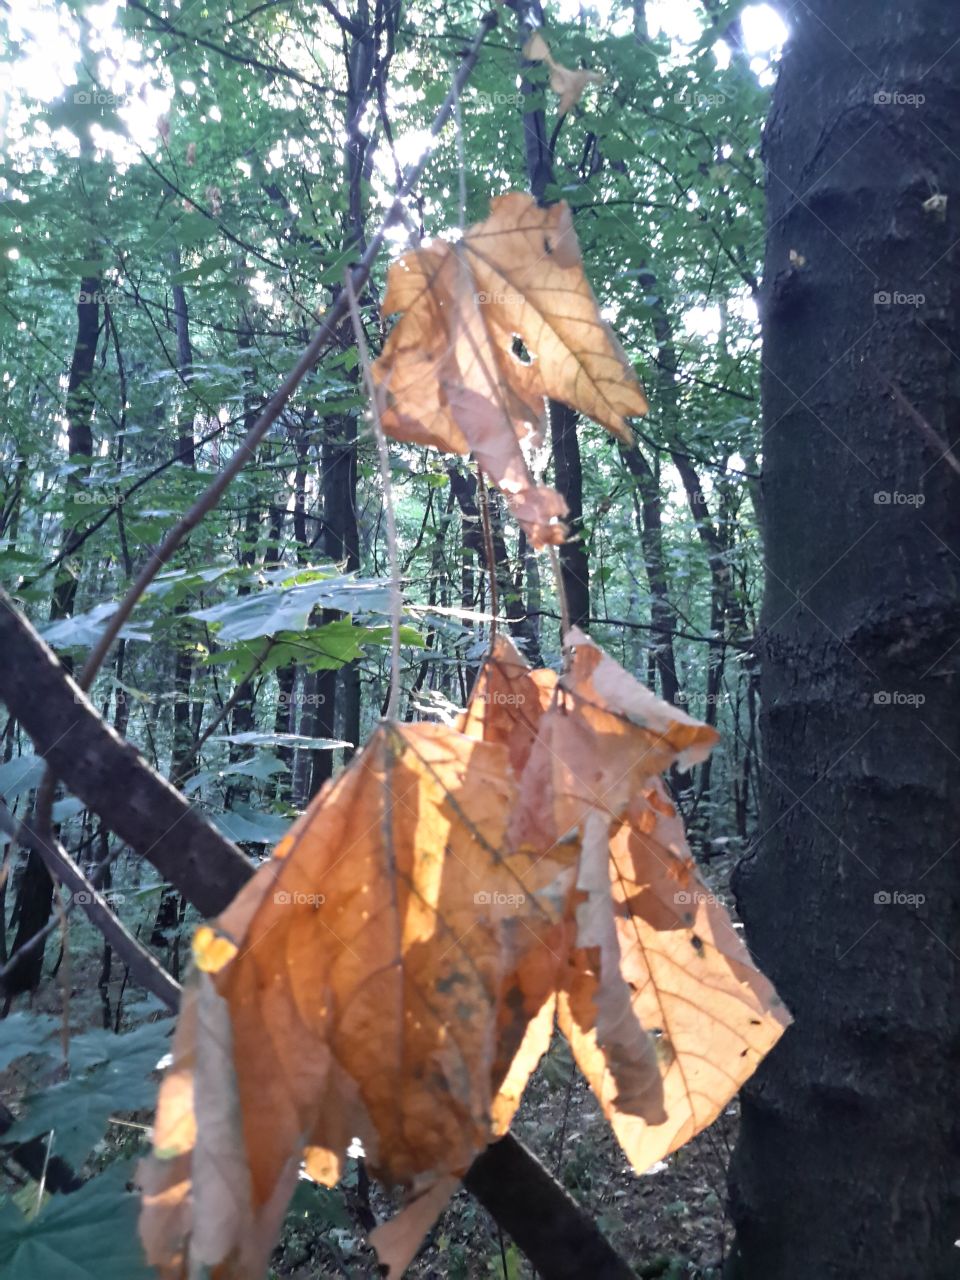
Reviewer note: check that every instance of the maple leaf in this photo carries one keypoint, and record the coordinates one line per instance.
(395, 972)
(449, 373)
(352, 991)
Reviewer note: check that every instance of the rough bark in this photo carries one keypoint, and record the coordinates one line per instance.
(848, 1163)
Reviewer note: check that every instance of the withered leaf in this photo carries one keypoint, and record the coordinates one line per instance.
(361, 972)
(568, 83)
(694, 987)
(393, 974)
(450, 375)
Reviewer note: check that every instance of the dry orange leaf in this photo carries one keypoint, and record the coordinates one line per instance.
(353, 991)
(449, 374)
(393, 974)
(712, 1015)
(506, 706)
(603, 739)
(567, 83)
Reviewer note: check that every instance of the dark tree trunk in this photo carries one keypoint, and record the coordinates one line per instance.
(36, 888)
(568, 472)
(848, 1163)
(568, 477)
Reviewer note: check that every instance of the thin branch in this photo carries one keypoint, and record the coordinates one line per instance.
(929, 434)
(145, 968)
(326, 333)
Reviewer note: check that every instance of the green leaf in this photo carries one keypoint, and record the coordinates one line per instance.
(83, 630)
(245, 825)
(262, 767)
(77, 1110)
(20, 774)
(283, 740)
(25, 1032)
(265, 613)
(88, 1235)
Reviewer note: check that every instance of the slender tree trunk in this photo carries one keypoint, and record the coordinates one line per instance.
(568, 470)
(170, 907)
(848, 1162)
(36, 887)
(650, 529)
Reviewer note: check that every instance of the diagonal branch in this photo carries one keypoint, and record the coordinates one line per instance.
(145, 968)
(109, 775)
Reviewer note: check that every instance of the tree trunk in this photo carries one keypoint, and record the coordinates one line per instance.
(848, 1163)
(36, 888)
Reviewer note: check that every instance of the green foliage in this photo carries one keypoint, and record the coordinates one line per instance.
(89, 1235)
(108, 1073)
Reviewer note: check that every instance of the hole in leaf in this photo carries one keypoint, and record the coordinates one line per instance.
(519, 349)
